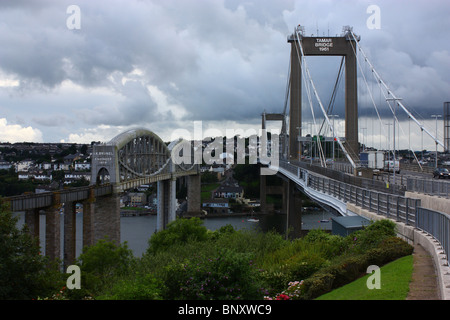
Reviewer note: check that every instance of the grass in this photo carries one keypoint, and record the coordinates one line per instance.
(395, 278)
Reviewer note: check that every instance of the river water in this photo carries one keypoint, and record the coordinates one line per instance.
(136, 231)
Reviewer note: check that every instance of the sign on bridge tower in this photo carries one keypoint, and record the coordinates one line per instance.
(323, 46)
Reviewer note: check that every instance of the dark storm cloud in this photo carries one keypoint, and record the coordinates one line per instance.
(154, 62)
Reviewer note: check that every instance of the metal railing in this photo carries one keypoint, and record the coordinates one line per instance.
(437, 224)
(437, 188)
(393, 206)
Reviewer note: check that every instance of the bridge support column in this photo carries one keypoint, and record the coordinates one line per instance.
(53, 231)
(166, 211)
(107, 218)
(294, 212)
(69, 233)
(32, 221)
(88, 219)
(194, 195)
(262, 193)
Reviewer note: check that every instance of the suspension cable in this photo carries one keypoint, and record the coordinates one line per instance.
(437, 141)
(308, 92)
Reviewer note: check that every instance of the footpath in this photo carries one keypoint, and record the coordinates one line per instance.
(424, 283)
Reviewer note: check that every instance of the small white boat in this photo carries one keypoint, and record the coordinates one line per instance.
(252, 220)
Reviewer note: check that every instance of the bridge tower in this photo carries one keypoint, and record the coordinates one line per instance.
(324, 46)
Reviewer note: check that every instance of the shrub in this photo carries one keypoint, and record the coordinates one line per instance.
(334, 245)
(222, 231)
(371, 236)
(350, 267)
(389, 249)
(276, 279)
(303, 265)
(317, 235)
(178, 231)
(142, 287)
(225, 276)
(100, 264)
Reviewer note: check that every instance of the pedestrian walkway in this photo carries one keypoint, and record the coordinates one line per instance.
(424, 283)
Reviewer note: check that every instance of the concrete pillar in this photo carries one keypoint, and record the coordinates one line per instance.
(107, 218)
(295, 109)
(32, 221)
(194, 195)
(172, 206)
(351, 103)
(166, 208)
(285, 196)
(294, 212)
(53, 230)
(160, 210)
(88, 219)
(263, 193)
(69, 233)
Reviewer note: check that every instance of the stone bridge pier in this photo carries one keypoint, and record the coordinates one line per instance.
(101, 219)
(291, 203)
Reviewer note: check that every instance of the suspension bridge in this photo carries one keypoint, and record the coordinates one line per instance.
(346, 185)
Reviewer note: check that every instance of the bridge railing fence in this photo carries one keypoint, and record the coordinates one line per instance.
(439, 188)
(392, 206)
(436, 224)
(396, 207)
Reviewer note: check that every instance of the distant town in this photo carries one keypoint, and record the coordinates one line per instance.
(42, 167)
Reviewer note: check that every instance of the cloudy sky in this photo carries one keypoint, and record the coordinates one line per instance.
(89, 75)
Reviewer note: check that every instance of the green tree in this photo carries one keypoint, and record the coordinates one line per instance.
(178, 232)
(24, 273)
(100, 265)
(209, 177)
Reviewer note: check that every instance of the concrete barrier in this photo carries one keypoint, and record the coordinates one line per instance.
(431, 202)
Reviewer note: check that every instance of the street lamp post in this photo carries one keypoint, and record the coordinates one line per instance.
(389, 148)
(436, 116)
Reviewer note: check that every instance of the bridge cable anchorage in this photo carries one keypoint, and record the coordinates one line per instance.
(378, 78)
(338, 140)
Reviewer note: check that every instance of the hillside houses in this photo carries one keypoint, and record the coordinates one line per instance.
(41, 161)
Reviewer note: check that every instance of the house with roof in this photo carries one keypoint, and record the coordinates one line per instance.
(216, 206)
(229, 191)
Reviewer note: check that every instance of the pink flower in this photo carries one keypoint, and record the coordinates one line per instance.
(282, 297)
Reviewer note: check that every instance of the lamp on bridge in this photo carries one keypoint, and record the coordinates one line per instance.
(436, 116)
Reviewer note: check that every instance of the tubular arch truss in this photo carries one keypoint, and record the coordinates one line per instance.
(140, 153)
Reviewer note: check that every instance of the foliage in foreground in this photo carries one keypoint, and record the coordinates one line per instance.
(187, 261)
(24, 273)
